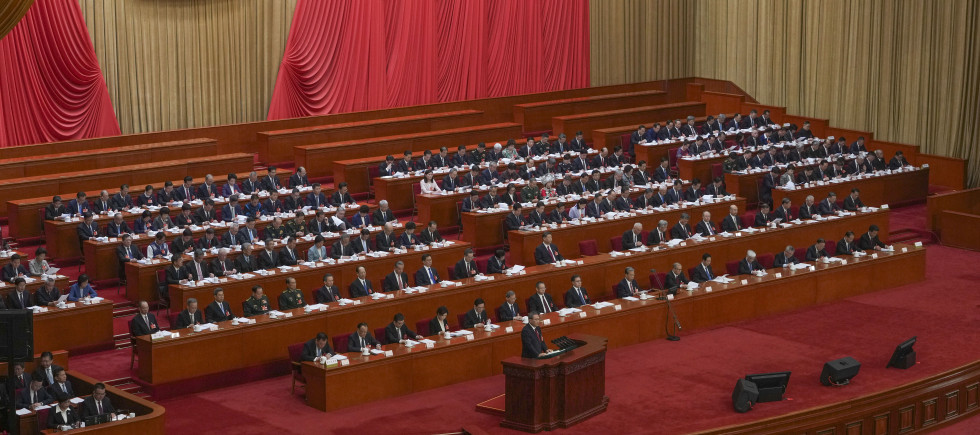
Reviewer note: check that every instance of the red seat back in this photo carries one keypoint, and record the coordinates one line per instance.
(295, 351)
(617, 243)
(451, 272)
(627, 143)
(672, 157)
(461, 318)
(748, 219)
(767, 260)
(173, 319)
(588, 247)
(379, 333)
(657, 280)
(340, 343)
(732, 267)
(422, 327)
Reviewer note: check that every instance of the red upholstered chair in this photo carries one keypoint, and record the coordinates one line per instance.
(379, 334)
(767, 260)
(340, 343)
(481, 262)
(748, 219)
(461, 318)
(657, 280)
(617, 243)
(162, 302)
(588, 248)
(295, 352)
(450, 272)
(800, 252)
(690, 272)
(172, 317)
(627, 142)
(716, 170)
(422, 327)
(732, 267)
(373, 172)
(42, 418)
(831, 247)
(672, 158)
(132, 343)
(644, 235)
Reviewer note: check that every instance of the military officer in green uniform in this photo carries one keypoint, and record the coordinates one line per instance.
(531, 193)
(257, 304)
(297, 226)
(276, 231)
(729, 164)
(291, 297)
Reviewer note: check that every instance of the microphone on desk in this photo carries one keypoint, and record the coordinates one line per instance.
(662, 296)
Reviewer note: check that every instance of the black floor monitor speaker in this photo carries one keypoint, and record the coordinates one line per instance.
(904, 355)
(771, 386)
(18, 344)
(839, 371)
(744, 396)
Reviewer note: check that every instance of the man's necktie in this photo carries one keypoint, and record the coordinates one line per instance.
(398, 278)
(551, 252)
(432, 279)
(544, 303)
(98, 407)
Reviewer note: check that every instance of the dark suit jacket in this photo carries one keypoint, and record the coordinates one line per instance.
(140, 328)
(762, 220)
(422, 278)
(507, 312)
(53, 389)
(384, 242)
(745, 268)
(408, 240)
(852, 204)
(429, 236)
(460, 269)
(380, 217)
(354, 342)
(267, 259)
(784, 214)
(573, 300)
(288, 257)
(623, 288)
(845, 248)
(88, 407)
(531, 343)
(191, 269)
(86, 232)
(702, 275)
(631, 240)
(245, 263)
(542, 256)
(309, 350)
(495, 265)
(472, 318)
(435, 328)
(680, 232)
(394, 335)
(655, 237)
(867, 242)
(357, 290)
(703, 227)
(674, 282)
(324, 295)
(782, 259)
(390, 282)
(807, 211)
(9, 273)
(184, 319)
(14, 301)
(812, 254)
(39, 371)
(216, 312)
(536, 305)
(24, 398)
(826, 208)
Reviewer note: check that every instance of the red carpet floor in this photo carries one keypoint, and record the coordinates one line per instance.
(666, 387)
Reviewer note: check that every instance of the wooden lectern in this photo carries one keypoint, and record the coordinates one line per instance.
(557, 392)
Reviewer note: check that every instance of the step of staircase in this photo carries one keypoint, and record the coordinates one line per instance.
(911, 236)
(122, 341)
(130, 386)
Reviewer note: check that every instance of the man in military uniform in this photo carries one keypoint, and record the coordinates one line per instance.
(729, 164)
(291, 297)
(297, 226)
(530, 193)
(276, 231)
(257, 304)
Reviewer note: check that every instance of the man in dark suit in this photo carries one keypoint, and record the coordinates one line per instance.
(786, 257)
(299, 178)
(289, 255)
(144, 322)
(853, 201)
(702, 273)
(749, 264)
(342, 247)
(633, 238)
(808, 209)
(361, 286)
(398, 332)
(383, 214)
(197, 269)
(55, 209)
(681, 230)
(541, 301)
(675, 194)
(846, 246)
(546, 252)
(869, 240)
(532, 342)
(341, 196)
(219, 310)
(675, 278)
(662, 172)
(477, 317)
(97, 403)
(127, 253)
(577, 296)
(317, 346)
(386, 239)
(509, 310)
(61, 384)
(705, 227)
(34, 395)
(431, 234)
(207, 189)
(47, 369)
(659, 234)
(79, 206)
(271, 181)
(898, 161)
(88, 229)
(638, 136)
(190, 316)
(426, 275)
(466, 268)
(497, 263)
(628, 286)
(783, 212)
(816, 251)
(20, 298)
(397, 279)
(829, 205)
(362, 339)
(245, 262)
(763, 217)
(328, 292)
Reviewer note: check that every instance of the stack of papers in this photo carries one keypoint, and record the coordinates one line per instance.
(601, 305)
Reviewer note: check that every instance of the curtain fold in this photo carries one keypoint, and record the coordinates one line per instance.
(51, 86)
(345, 56)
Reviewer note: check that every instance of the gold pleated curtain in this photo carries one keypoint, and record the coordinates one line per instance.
(172, 64)
(908, 70)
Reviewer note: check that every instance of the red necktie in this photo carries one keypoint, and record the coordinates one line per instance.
(551, 252)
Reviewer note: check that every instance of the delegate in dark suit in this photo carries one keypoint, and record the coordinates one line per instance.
(508, 312)
(495, 265)
(56, 418)
(89, 407)
(472, 318)
(542, 255)
(423, 278)
(219, 311)
(461, 271)
(394, 334)
(184, 319)
(631, 240)
(390, 283)
(702, 273)
(782, 259)
(626, 288)
(358, 288)
(311, 352)
(354, 342)
(40, 396)
(532, 342)
(745, 268)
(140, 327)
(245, 263)
(867, 242)
(326, 294)
(672, 281)
(576, 297)
(845, 248)
(812, 254)
(20, 301)
(536, 305)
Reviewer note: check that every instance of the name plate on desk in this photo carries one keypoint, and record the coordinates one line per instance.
(918, 244)
(707, 289)
(547, 321)
(905, 249)
(617, 307)
(779, 275)
(874, 255)
(469, 337)
(581, 314)
(843, 262)
(745, 282)
(344, 362)
(389, 353)
(430, 345)
(509, 329)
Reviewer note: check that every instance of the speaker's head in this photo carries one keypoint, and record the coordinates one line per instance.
(839, 371)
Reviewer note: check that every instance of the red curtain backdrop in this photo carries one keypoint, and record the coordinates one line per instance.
(51, 86)
(345, 56)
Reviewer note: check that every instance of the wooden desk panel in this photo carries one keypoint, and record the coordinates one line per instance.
(523, 243)
(960, 230)
(886, 189)
(700, 169)
(330, 388)
(964, 201)
(133, 175)
(318, 159)
(85, 327)
(24, 214)
(586, 122)
(277, 145)
(537, 116)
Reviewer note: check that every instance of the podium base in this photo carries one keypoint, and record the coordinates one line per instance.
(560, 424)
(493, 406)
